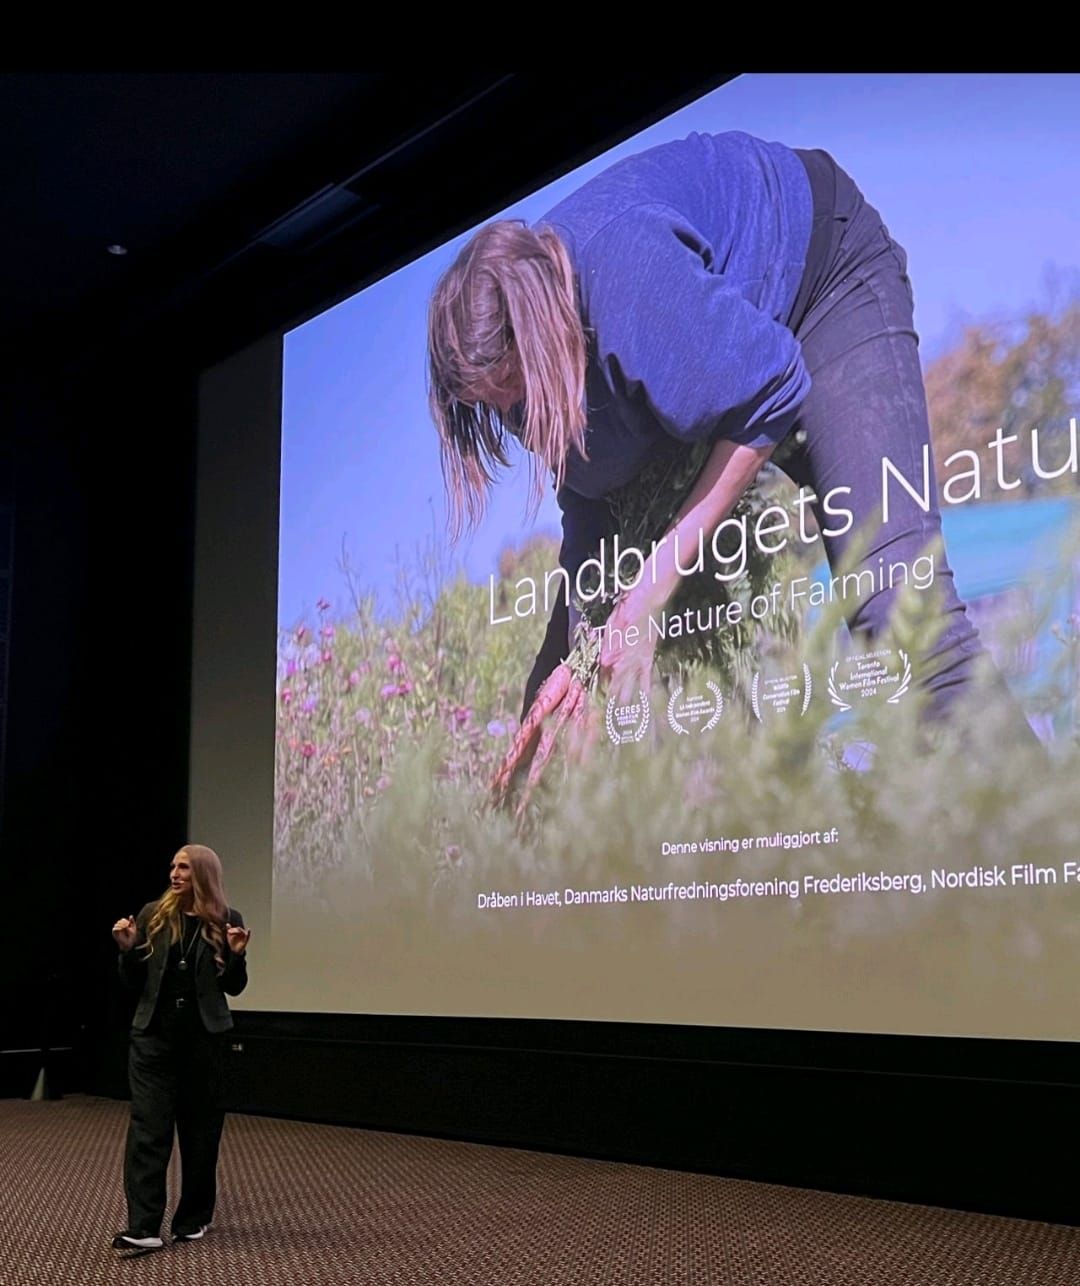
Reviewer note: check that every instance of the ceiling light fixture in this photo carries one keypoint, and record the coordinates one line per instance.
(116, 249)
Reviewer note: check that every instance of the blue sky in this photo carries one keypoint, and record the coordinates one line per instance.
(974, 174)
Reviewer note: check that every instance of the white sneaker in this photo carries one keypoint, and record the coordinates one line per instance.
(196, 1234)
(129, 1241)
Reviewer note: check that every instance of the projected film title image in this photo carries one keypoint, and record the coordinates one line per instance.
(656, 601)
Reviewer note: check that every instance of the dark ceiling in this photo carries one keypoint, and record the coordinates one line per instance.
(248, 197)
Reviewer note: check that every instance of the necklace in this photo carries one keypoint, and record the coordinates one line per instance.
(185, 946)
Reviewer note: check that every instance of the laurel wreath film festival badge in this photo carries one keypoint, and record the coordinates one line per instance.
(781, 694)
(868, 676)
(628, 721)
(695, 709)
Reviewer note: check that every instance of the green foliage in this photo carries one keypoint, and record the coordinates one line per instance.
(645, 510)
(359, 700)
(388, 736)
(354, 696)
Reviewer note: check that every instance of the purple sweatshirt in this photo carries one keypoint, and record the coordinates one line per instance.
(688, 258)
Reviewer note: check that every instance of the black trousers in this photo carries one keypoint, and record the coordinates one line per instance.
(174, 1070)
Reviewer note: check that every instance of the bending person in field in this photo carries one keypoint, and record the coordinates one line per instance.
(718, 288)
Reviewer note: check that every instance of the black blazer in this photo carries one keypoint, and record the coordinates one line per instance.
(211, 986)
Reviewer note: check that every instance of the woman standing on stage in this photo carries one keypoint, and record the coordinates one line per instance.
(184, 953)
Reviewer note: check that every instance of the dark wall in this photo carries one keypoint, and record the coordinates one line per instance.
(96, 804)
(95, 798)
(972, 1124)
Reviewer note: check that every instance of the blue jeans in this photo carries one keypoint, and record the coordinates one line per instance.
(867, 400)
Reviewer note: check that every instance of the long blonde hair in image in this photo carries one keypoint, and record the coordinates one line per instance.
(504, 317)
(210, 905)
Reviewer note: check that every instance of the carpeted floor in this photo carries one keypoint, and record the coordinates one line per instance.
(323, 1204)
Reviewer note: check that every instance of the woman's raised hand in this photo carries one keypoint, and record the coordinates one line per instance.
(237, 938)
(125, 933)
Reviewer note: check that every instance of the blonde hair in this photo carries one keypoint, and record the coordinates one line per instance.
(503, 317)
(211, 905)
